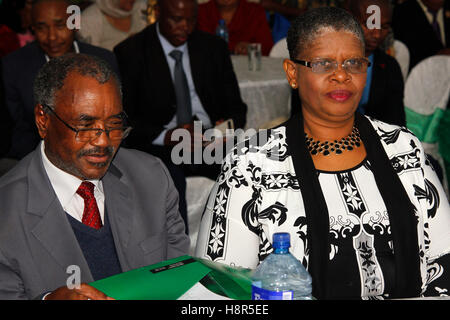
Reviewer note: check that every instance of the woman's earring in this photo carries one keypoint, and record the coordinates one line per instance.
(294, 85)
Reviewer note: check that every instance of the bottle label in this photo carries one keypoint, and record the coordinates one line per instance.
(263, 294)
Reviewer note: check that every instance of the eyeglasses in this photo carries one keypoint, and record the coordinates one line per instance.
(89, 134)
(325, 65)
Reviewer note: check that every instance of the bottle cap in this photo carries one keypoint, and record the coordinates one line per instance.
(281, 240)
(221, 22)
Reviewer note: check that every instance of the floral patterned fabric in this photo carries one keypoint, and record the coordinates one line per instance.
(258, 194)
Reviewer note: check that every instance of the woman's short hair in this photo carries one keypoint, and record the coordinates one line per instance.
(50, 78)
(306, 27)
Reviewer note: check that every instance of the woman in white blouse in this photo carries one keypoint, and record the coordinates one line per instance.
(366, 212)
(106, 23)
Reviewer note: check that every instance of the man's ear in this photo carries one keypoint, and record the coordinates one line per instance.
(157, 11)
(290, 68)
(42, 120)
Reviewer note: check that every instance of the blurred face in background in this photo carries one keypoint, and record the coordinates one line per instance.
(375, 37)
(126, 5)
(227, 3)
(177, 19)
(49, 25)
(433, 5)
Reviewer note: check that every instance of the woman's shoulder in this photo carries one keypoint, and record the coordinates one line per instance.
(92, 11)
(261, 148)
(395, 139)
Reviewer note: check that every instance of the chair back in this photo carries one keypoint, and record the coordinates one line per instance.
(197, 193)
(427, 91)
(279, 50)
(402, 56)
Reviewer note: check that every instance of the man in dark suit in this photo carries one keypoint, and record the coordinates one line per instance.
(79, 200)
(53, 39)
(424, 27)
(152, 97)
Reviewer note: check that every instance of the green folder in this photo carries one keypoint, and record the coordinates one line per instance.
(168, 280)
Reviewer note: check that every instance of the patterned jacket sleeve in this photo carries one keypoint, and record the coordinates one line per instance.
(437, 232)
(223, 236)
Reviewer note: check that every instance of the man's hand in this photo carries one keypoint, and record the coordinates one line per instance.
(85, 292)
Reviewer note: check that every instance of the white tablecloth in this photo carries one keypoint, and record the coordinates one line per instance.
(266, 92)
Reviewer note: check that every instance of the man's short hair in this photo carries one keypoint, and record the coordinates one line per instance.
(306, 27)
(50, 78)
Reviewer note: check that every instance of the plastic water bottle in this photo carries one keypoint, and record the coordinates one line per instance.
(222, 30)
(281, 276)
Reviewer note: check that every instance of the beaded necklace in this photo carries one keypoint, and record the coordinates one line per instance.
(349, 143)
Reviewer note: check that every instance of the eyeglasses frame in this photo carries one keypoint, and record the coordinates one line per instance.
(126, 129)
(308, 64)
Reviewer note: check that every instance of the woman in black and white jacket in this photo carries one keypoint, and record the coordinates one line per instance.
(366, 212)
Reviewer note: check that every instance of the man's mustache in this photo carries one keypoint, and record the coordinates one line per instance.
(108, 151)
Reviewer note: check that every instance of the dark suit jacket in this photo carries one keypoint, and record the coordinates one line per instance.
(19, 70)
(386, 91)
(411, 26)
(148, 91)
(37, 242)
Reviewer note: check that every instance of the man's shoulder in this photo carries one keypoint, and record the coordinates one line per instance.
(207, 43)
(406, 8)
(15, 180)
(382, 57)
(94, 50)
(136, 42)
(136, 163)
(22, 57)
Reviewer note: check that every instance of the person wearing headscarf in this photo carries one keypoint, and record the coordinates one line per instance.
(106, 23)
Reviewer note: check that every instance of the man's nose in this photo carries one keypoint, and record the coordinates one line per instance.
(101, 139)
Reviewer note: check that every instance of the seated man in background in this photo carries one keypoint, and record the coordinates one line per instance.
(424, 27)
(246, 23)
(173, 74)
(383, 94)
(79, 200)
(53, 39)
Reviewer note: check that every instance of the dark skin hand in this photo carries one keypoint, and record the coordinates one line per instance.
(85, 292)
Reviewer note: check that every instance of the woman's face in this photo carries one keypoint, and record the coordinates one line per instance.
(334, 96)
(126, 5)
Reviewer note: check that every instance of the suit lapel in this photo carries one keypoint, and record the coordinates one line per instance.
(119, 207)
(157, 66)
(197, 63)
(53, 231)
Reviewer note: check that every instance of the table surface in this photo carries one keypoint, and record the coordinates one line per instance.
(266, 92)
(271, 71)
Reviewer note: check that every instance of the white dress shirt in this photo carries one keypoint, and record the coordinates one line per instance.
(439, 18)
(66, 185)
(197, 107)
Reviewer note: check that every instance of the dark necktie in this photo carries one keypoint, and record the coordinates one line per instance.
(184, 108)
(91, 215)
(435, 24)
